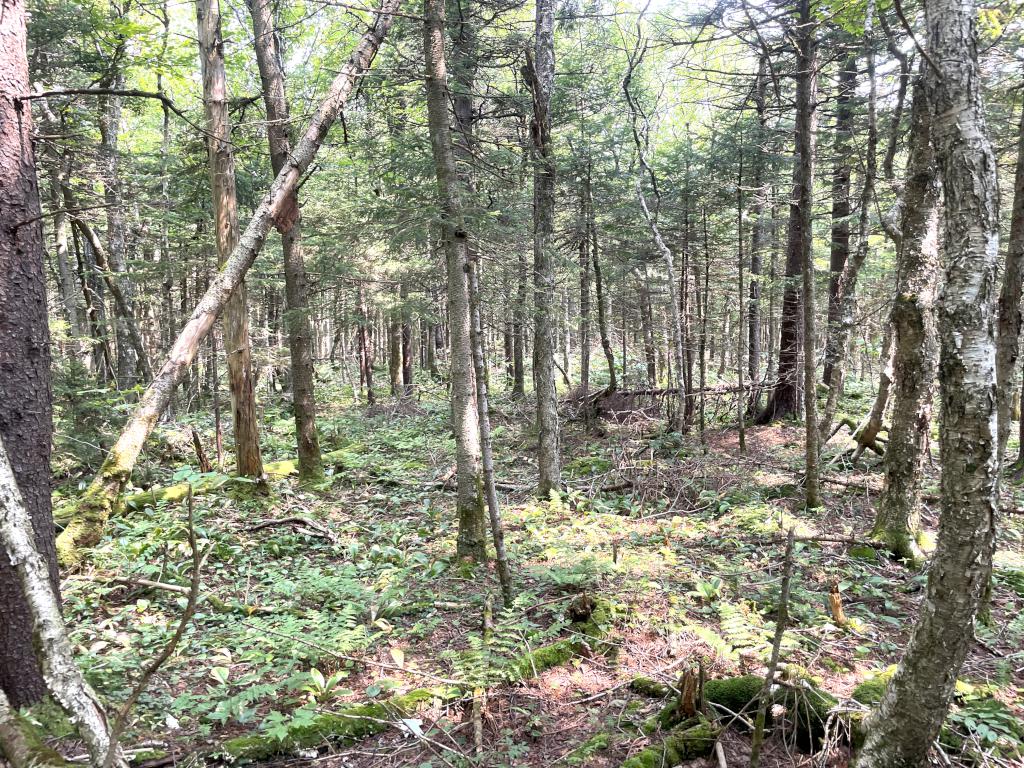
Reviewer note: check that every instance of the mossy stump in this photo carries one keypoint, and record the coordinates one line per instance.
(694, 738)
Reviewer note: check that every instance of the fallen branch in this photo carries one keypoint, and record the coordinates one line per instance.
(303, 524)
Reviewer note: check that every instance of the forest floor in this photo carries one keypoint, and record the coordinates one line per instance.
(683, 547)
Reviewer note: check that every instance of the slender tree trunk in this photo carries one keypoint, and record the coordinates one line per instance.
(407, 380)
(585, 279)
(915, 345)
(248, 461)
(33, 570)
(102, 495)
(519, 329)
(741, 341)
(1008, 344)
(542, 82)
(757, 243)
(465, 422)
(124, 310)
(363, 332)
(269, 58)
(838, 337)
(26, 407)
(110, 170)
(599, 294)
(801, 236)
(785, 397)
(842, 150)
(647, 329)
(395, 352)
(904, 727)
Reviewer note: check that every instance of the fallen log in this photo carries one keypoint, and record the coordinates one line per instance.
(277, 208)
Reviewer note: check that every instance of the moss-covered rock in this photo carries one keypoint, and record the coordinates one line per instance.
(694, 738)
(347, 724)
(737, 694)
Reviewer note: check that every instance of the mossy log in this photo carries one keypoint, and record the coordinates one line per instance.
(694, 738)
(586, 639)
(345, 725)
(84, 519)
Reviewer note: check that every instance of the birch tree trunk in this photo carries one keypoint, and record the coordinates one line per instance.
(276, 208)
(248, 461)
(48, 636)
(905, 725)
(269, 59)
(915, 345)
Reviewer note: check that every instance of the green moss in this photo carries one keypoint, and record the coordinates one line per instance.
(695, 738)
(870, 691)
(735, 693)
(582, 754)
(863, 552)
(547, 656)
(348, 724)
(645, 686)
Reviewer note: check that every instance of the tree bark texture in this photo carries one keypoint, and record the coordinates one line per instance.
(542, 83)
(910, 714)
(465, 422)
(26, 407)
(269, 59)
(915, 344)
(248, 460)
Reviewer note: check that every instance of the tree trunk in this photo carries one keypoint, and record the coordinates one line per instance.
(102, 495)
(904, 727)
(839, 250)
(757, 243)
(465, 423)
(585, 278)
(363, 332)
(915, 346)
(109, 157)
(26, 408)
(1008, 344)
(602, 303)
(407, 380)
(248, 461)
(838, 338)
(269, 58)
(124, 310)
(541, 71)
(33, 570)
(785, 396)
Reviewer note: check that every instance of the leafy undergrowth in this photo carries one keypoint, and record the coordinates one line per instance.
(365, 602)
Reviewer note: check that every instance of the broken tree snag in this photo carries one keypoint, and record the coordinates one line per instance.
(100, 499)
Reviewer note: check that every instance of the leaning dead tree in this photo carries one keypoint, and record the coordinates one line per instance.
(277, 208)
